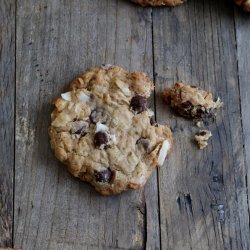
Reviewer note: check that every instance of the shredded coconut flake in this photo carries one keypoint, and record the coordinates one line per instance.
(83, 97)
(123, 87)
(140, 180)
(101, 127)
(66, 96)
(163, 152)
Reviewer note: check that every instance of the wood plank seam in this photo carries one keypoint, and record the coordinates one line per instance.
(242, 127)
(14, 179)
(7, 81)
(242, 115)
(155, 113)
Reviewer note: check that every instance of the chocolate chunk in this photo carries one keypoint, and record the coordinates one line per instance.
(104, 176)
(81, 132)
(106, 66)
(145, 143)
(79, 127)
(207, 115)
(138, 103)
(99, 115)
(101, 138)
(187, 105)
(200, 111)
(202, 133)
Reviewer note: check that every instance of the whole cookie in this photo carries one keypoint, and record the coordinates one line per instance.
(103, 131)
(159, 2)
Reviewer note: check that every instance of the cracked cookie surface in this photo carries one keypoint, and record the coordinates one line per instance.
(191, 101)
(159, 2)
(102, 130)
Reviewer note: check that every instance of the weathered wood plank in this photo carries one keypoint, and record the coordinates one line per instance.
(242, 21)
(7, 118)
(203, 194)
(57, 40)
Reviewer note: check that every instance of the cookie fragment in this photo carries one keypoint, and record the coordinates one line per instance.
(202, 137)
(191, 102)
(198, 124)
(145, 3)
(103, 132)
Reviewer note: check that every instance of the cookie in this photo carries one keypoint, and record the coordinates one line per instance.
(102, 130)
(202, 137)
(159, 2)
(244, 3)
(8, 248)
(191, 102)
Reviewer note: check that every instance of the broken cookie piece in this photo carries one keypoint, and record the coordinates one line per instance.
(191, 101)
(202, 137)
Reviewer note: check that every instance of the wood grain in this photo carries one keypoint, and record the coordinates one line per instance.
(7, 118)
(203, 194)
(57, 40)
(243, 58)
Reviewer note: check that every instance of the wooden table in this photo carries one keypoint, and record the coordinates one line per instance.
(198, 199)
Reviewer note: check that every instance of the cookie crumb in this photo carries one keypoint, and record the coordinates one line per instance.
(198, 124)
(202, 137)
